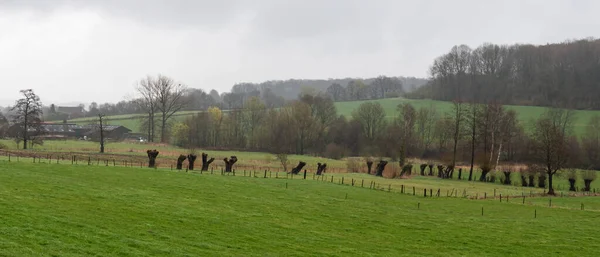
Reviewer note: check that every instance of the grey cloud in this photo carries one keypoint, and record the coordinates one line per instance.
(213, 44)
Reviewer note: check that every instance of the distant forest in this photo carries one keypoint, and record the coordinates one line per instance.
(272, 93)
(560, 75)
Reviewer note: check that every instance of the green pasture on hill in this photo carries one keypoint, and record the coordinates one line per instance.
(65, 210)
(526, 113)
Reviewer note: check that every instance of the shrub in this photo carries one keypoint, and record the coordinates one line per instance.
(353, 165)
(3, 146)
(392, 170)
(283, 160)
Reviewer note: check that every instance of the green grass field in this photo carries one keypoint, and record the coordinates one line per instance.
(526, 113)
(64, 210)
(119, 152)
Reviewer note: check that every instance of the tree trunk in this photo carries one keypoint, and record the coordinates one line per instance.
(440, 171)
(369, 165)
(406, 169)
(163, 127)
(449, 171)
(380, 167)
(101, 133)
(550, 187)
(205, 162)
(572, 185)
(298, 168)
(499, 151)
(321, 168)
(531, 180)
(423, 167)
(472, 148)
(180, 161)
(507, 180)
(229, 163)
(542, 181)
(587, 184)
(191, 160)
(459, 173)
(430, 169)
(523, 181)
(152, 154)
(484, 173)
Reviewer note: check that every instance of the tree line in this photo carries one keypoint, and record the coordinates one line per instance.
(482, 136)
(563, 74)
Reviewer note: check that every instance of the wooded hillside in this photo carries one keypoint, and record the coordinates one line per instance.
(565, 74)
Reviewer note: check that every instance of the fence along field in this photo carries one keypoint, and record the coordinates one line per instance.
(412, 184)
(159, 212)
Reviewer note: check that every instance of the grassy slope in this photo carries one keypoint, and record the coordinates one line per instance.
(64, 210)
(525, 113)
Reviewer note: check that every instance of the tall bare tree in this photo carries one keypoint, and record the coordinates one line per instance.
(147, 102)
(550, 136)
(406, 121)
(371, 116)
(458, 116)
(472, 121)
(27, 115)
(425, 123)
(169, 100)
(101, 130)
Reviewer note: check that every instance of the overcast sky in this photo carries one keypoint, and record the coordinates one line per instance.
(95, 50)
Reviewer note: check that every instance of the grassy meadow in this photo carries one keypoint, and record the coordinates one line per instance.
(525, 113)
(79, 210)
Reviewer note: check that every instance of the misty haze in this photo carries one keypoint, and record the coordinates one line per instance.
(299, 128)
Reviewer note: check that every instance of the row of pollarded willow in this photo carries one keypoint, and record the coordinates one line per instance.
(191, 158)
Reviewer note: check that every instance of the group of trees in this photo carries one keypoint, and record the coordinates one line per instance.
(380, 87)
(299, 127)
(484, 136)
(546, 75)
(160, 98)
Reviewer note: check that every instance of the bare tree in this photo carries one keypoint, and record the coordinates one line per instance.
(27, 115)
(591, 143)
(425, 123)
(458, 116)
(550, 136)
(147, 102)
(283, 159)
(371, 116)
(472, 120)
(101, 130)
(169, 100)
(406, 120)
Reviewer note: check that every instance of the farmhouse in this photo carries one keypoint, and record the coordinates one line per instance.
(65, 130)
(112, 132)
